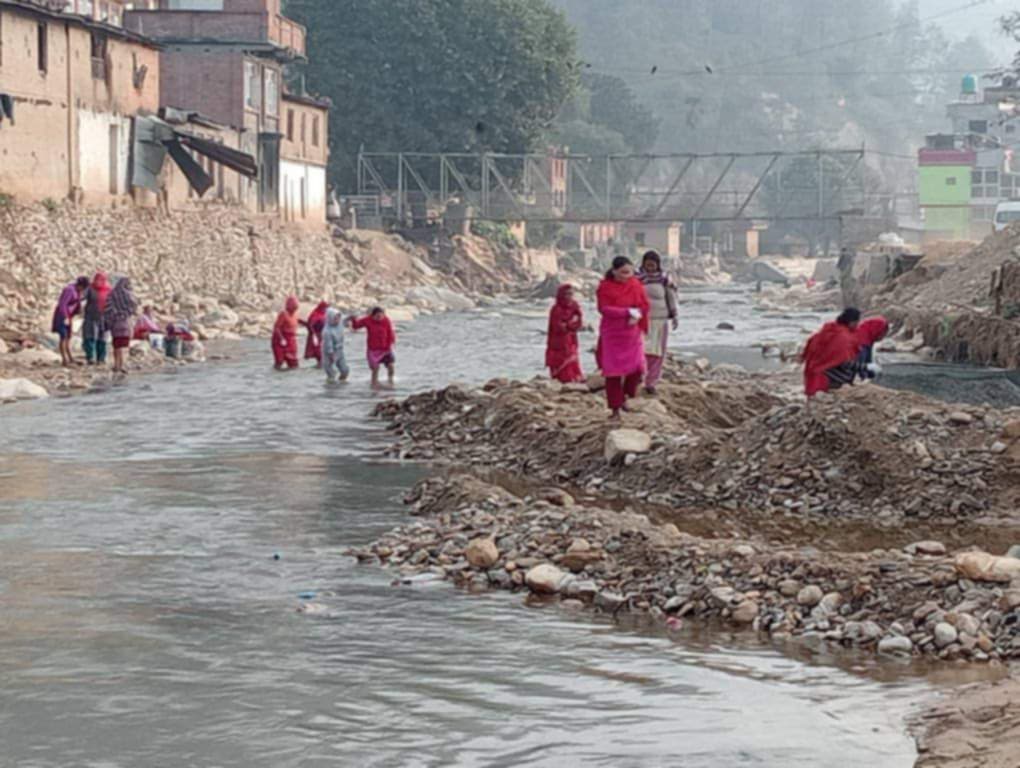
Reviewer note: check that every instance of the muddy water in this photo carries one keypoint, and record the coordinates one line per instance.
(144, 619)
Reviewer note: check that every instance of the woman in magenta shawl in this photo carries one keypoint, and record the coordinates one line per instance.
(624, 307)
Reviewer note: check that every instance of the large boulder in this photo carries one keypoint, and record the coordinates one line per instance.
(544, 579)
(482, 553)
(623, 441)
(23, 389)
(981, 566)
(221, 317)
(36, 356)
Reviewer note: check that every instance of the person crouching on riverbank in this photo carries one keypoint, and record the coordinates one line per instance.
(93, 329)
(68, 305)
(284, 343)
(561, 351)
(381, 339)
(315, 324)
(119, 316)
(146, 327)
(625, 310)
(662, 299)
(831, 356)
(869, 333)
(334, 362)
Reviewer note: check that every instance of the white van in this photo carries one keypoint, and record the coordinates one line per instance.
(1006, 213)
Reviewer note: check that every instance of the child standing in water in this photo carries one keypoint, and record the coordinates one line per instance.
(333, 359)
(381, 338)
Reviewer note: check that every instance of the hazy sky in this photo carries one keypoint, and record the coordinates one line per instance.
(980, 20)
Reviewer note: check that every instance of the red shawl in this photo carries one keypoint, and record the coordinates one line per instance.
(628, 295)
(286, 321)
(317, 318)
(565, 320)
(871, 331)
(381, 336)
(101, 289)
(830, 347)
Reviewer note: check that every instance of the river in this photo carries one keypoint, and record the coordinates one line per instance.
(146, 619)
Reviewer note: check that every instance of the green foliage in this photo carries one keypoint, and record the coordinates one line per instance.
(543, 234)
(6, 200)
(50, 204)
(495, 232)
(436, 75)
(605, 118)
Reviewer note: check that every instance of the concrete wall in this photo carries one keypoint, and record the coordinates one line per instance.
(664, 238)
(302, 193)
(305, 130)
(59, 111)
(104, 152)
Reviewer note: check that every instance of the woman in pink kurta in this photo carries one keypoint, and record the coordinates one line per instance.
(624, 307)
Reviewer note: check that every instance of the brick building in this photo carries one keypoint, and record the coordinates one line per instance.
(225, 59)
(70, 84)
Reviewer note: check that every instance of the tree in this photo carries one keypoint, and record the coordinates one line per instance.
(436, 75)
(604, 117)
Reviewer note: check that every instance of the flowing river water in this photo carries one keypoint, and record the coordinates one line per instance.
(145, 619)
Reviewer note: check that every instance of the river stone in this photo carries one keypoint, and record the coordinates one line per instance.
(36, 356)
(621, 441)
(810, 596)
(610, 602)
(960, 418)
(789, 587)
(1014, 552)
(968, 625)
(482, 553)
(581, 589)
(20, 389)
(981, 566)
(746, 612)
(3, 347)
(1012, 430)
(544, 579)
(896, 644)
(934, 548)
(945, 634)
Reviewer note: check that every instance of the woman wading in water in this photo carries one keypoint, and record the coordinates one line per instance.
(662, 298)
(625, 310)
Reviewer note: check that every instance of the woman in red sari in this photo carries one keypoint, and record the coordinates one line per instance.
(625, 309)
(285, 336)
(315, 323)
(561, 351)
(831, 356)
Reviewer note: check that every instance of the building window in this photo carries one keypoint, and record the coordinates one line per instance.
(639, 238)
(978, 126)
(950, 181)
(290, 125)
(98, 52)
(315, 131)
(302, 127)
(1010, 185)
(252, 86)
(983, 213)
(272, 92)
(984, 183)
(42, 53)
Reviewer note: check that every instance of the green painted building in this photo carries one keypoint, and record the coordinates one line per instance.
(944, 188)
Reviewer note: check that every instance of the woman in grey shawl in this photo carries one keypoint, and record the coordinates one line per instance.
(333, 359)
(121, 308)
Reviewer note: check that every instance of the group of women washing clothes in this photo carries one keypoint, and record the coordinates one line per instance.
(325, 341)
(637, 310)
(107, 312)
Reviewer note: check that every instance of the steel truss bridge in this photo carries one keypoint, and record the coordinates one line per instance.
(821, 185)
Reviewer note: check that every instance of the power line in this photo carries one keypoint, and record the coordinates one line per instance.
(816, 73)
(704, 72)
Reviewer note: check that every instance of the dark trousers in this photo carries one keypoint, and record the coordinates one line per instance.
(619, 388)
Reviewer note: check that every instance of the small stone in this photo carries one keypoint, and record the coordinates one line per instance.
(610, 602)
(1014, 552)
(789, 588)
(670, 529)
(624, 441)
(932, 548)
(960, 418)
(810, 596)
(895, 644)
(482, 553)
(945, 634)
(742, 550)
(1012, 430)
(544, 579)
(998, 447)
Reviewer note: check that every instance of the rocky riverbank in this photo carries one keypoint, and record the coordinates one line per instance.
(226, 272)
(725, 499)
